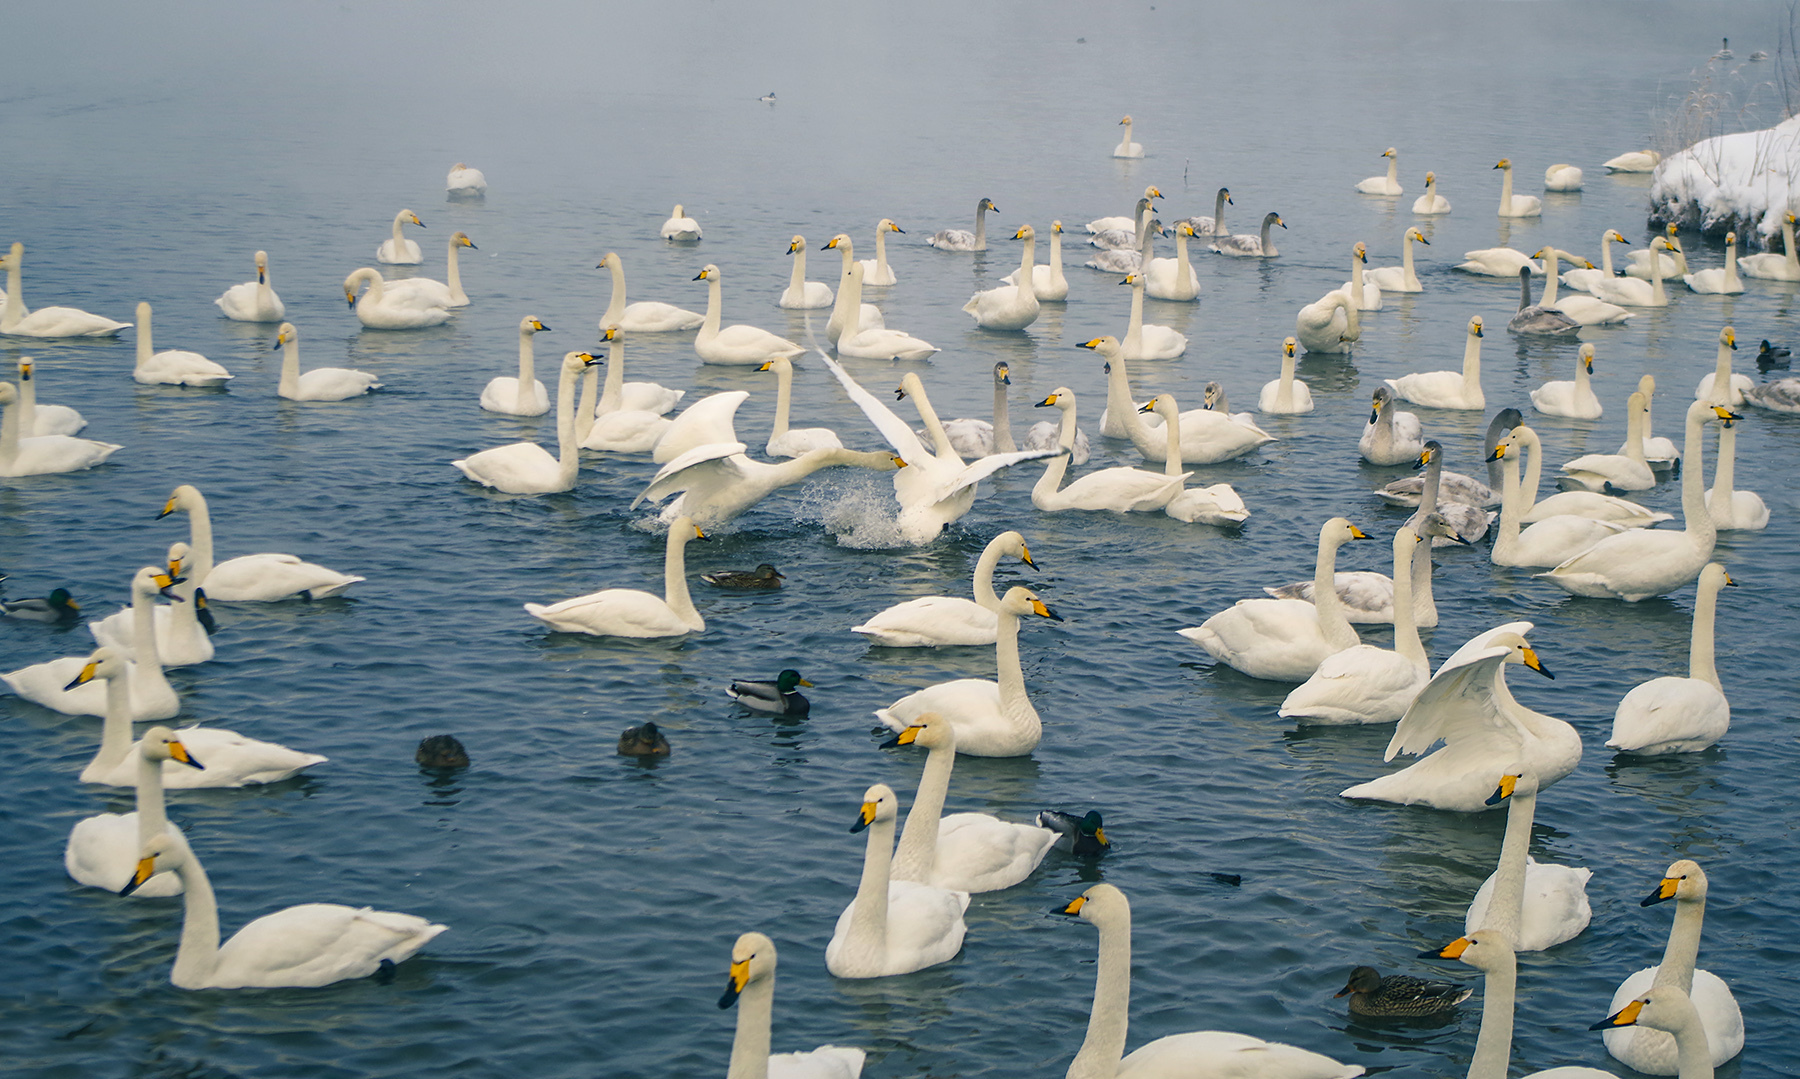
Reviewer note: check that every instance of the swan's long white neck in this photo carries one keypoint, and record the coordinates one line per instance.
(984, 576)
(11, 419)
(1506, 907)
(1121, 419)
(784, 394)
(709, 328)
(1472, 363)
(917, 853)
(568, 458)
(1693, 1055)
(1493, 1046)
(881, 266)
(1184, 270)
(146, 346)
(1511, 508)
(399, 237)
(1583, 381)
(615, 307)
(457, 295)
(1606, 241)
(290, 366)
(1724, 475)
(1284, 390)
(143, 629)
(1700, 645)
(585, 410)
(198, 954)
(1356, 276)
(1732, 282)
(374, 296)
(1534, 472)
(1219, 216)
(1332, 624)
(1125, 140)
(981, 226)
(1721, 383)
(115, 734)
(840, 309)
(1393, 178)
(27, 406)
(1011, 676)
(1434, 479)
(1055, 468)
(199, 562)
(1171, 415)
(850, 295)
(750, 1045)
(527, 369)
(675, 586)
(1658, 295)
(1407, 273)
(15, 309)
(940, 439)
(1787, 244)
(1406, 630)
(1003, 436)
(1552, 276)
(1697, 522)
(1134, 330)
(612, 394)
(867, 935)
(1506, 195)
(1683, 950)
(1027, 258)
(1056, 267)
(797, 286)
(1636, 430)
(152, 818)
(1424, 606)
(1109, 1020)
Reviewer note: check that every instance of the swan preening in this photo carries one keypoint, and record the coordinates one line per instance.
(397, 250)
(253, 301)
(383, 308)
(16, 320)
(465, 182)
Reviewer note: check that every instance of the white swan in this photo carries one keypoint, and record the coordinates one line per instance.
(253, 301)
(869, 317)
(1562, 177)
(1285, 640)
(397, 250)
(1490, 952)
(1587, 310)
(801, 294)
(892, 926)
(1674, 265)
(629, 415)
(1147, 341)
(1203, 226)
(1497, 262)
(933, 488)
(37, 419)
(1721, 280)
(1575, 399)
(1391, 437)
(992, 719)
(1638, 564)
(1363, 293)
(1634, 161)
(934, 621)
(1331, 324)
(1250, 246)
(1764, 264)
(680, 228)
(1468, 707)
(1131, 224)
(1551, 539)
(645, 316)
(1047, 280)
(1367, 684)
(251, 577)
(1627, 471)
(1660, 452)
(1732, 509)
(16, 320)
(1210, 1053)
(1515, 205)
(1009, 307)
(879, 342)
(962, 239)
(309, 945)
(1431, 203)
(182, 640)
(1580, 503)
(1286, 395)
(751, 986)
(1582, 280)
(963, 852)
(58, 683)
(221, 758)
(785, 441)
(1385, 185)
(717, 482)
(1126, 147)
(526, 468)
(1680, 715)
(1721, 386)
(1667, 1008)
(172, 367)
(1632, 291)
(1217, 504)
(465, 182)
(1368, 597)
(524, 395)
(628, 612)
(321, 383)
(1207, 437)
(710, 420)
(1173, 279)
(102, 851)
(1448, 389)
(740, 345)
(41, 455)
(876, 271)
(382, 308)
(1537, 905)
(1653, 1051)
(1120, 490)
(1401, 278)
(437, 293)
(1536, 319)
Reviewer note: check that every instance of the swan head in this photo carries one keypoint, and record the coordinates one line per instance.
(1289, 345)
(1705, 411)
(1002, 374)
(461, 239)
(1056, 226)
(752, 960)
(1416, 236)
(1433, 451)
(929, 730)
(1213, 399)
(1663, 1007)
(798, 243)
(878, 804)
(1153, 193)
(1715, 577)
(1013, 543)
(840, 240)
(1101, 905)
(408, 215)
(1505, 163)
(152, 581)
(1382, 398)
(1683, 880)
(530, 324)
(1730, 238)
(1661, 244)
(1437, 525)
(1390, 152)
(710, 273)
(1430, 178)
(778, 364)
(262, 267)
(358, 277)
(1728, 338)
(1126, 121)
(986, 204)
(1062, 399)
(609, 260)
(909, 384)
(164, 850)
(1520, 652)
(1484, 949)
(1026, 232)
(1614, 236)
(1162, 404)
(577, 362)
(679, 211)
(1361, 249)
(1475, 323)
(1107, 346)
(887, 225)
(104, 663)
(1586, 357)
(685, 529)
(1514, 782)
(161, 744)
(1136, 281)
(16, 257)
(178, 553)
(1020, 600)
(1339, 531)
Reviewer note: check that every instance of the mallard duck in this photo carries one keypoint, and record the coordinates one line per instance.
(644, 741)
(1771, 355)
(441, 751)
(763, 576)
(1400, 994)
(777, 696)
(1082, 836)
(56, 607)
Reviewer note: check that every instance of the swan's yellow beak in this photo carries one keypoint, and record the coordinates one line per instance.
(416, 221)
(1155, 194)
(1287, 348)
(164, 582)
(1665, 890)
(174, 567)
(735, 981)
(168, 508)
(829, 244)
(1725, 414)
(1045, 612)
(1731, 339)
(1095, 343)
(909, 735)
(146, 868)
(1150, 405)
(768, 365)
(864, 817)
(179, 752)
(1074, 907)
(1531, 659)
(349, 297)
(698, 534)
(1046, 402)
(1357, 533)
(1503, 791)
(1624, 1017)
(86, 675)
(1452, 950)
(610, 334)
(899, 462)
(1025, 557)
(794, 245)
(539, 326)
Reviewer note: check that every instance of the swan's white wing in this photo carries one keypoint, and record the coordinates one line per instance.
(1458, 705)
(708, 421)
(892, 427)
(976, 471)
(317, 944)
(668, 480)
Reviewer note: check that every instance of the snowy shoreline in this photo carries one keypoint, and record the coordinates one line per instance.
(1742, 182)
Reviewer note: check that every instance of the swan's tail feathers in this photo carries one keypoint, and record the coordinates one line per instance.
(889, 720)
(973, 307)
(336, 588)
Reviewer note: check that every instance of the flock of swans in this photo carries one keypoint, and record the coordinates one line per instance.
(1479, 748)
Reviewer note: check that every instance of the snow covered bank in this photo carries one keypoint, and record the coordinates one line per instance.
(1744, 181)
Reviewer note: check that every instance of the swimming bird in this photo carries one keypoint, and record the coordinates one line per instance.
(1575, 399)
(751, 986)
(381, 308)
(1286, 395)
(1008, 307)
(1391, 437)
(801, 294)
(1401, 278)
(524, 395)
(1537, 319)
(526, 468)
(16, 320)
(253, 301)
(645, 740)
(1385, 185)
(962, 239)
(1459, 390)
(320, 383)
(1431, 202)
(1374, 996)
(892, 926)
(1084, 836)
(397, 250)
(1562, 177)
(779, 696)
(764, 576)
(1515, 205)
(252, 578)
(173, 367)
(1126, 147)
(58, 684)
(58, 607)
(1250, 245)
(1536, 905)
(717, 481)
(1673, 714)
(934, 621)
(741, 344)
(628, 612)
(464, 182)
(645, 316)
(680, 228)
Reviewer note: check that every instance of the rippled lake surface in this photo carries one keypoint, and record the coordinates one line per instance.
(592, 899)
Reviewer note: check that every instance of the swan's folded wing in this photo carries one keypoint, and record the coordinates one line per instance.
(676, 476)
(892, 427)
(319, 943)
(976, 471)
(1458, 706)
